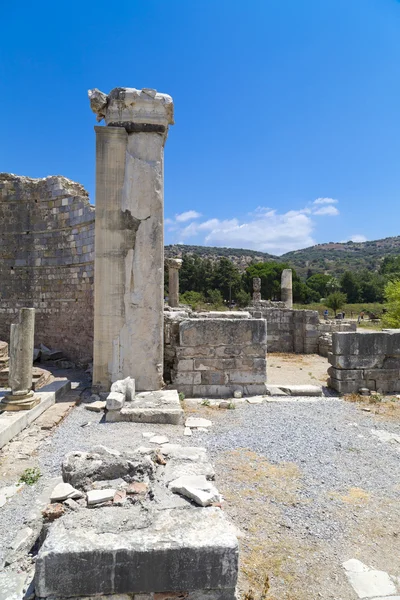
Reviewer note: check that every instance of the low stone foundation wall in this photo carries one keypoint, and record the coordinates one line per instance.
(290, 330)
(365, 360)
(214, 357)
(326, 328)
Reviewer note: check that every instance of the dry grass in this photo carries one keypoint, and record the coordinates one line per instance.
(355, 496)
(385, 407)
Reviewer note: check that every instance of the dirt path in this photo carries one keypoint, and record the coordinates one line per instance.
(296, 369)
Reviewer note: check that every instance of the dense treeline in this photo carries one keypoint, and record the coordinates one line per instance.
(221, 281)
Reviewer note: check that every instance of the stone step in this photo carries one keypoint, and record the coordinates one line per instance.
(3, 349)
(40, 377)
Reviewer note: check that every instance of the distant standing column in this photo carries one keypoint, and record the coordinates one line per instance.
(256, 290)
(174, 264)
(129, 236)
(21, 359)
(287, 288)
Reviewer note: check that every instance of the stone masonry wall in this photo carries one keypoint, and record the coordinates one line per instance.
(216, 357)
(290, 330)
(46, 260)
(365, 360)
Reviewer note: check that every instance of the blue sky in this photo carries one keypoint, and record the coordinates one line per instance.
(287, 111)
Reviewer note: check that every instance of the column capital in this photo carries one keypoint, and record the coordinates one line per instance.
(173, 263)
(136, 110)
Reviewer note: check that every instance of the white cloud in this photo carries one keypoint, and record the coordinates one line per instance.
(270, 232)
(358, 237)
(328, 211)
(189, 215)
(264, 229)
(325, 201)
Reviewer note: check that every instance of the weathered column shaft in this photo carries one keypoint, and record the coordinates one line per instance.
(287, 288)
(21, 352)
(174, 264)
(21, 359)
(256, 290)
(129, 237)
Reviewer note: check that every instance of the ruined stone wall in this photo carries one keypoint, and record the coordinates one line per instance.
(46, 260)
(326, 328)
(214, 357)
(290, 330)
(366, 359)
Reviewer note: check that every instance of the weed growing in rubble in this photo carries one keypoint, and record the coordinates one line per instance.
(181, 396)
(205, 402)
(30, 476)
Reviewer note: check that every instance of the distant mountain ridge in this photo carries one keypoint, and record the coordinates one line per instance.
(331, 258)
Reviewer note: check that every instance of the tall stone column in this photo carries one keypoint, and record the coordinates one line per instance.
(129, 236)
(21, 359)
(286, 288)
(174, 264)
(256, 290)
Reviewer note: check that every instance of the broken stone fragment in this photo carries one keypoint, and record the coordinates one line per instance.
(115, 401)
(197, 488)
(138, 488)
(72, 504)
(98, 103)
(62, 491)
(126, 387)
(159, 439)
(187, 431)
(119, 497)
(53, 512)
(100, 496)
(195, 422)
(96, 406)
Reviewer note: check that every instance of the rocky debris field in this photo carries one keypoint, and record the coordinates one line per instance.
(308, 483)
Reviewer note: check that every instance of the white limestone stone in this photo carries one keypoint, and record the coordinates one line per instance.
(194, 422)
(99, 496)
(368, 582)
(187, 431)
(197, 488)
(97, 406)
(159, 439)
(255, 400)
(115, 401)
(126, 387)
(62, 491)
(148, 434)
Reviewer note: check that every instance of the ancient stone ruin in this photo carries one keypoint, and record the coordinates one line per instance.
(143, 522)
(129, 261)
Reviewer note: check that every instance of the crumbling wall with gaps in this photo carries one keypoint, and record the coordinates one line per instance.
(47, 261)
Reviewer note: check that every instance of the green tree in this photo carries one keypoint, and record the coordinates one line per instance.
(336, 301)
(318, 283)
(242, 298)
(215, 298)
(332, 285)
(226, 278)
(391, 318)
(350, 286)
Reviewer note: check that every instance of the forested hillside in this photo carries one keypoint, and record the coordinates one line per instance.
(332, 258)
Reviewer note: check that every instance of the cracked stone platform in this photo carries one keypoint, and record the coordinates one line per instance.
(150, 538)
(161, 407)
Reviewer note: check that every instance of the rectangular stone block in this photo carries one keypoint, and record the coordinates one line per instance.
(347, 387)
(213, 378)
(256, 365)
(195, 351)
(213, 364)
(187, 378)
(244, 377)
(222, 332)
(185, 365)
(364, 343)
(86, 556)
(355, 362)
(345, 374)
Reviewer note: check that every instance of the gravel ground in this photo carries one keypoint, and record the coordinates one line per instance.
(306, 483)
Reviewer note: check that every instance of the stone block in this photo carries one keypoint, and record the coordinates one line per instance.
(185, 365)
(103, 552)
(187, 378)
(355, 362)
(212, 391)
(195, 351)
(345, 374)
(366, 343)
(347, 387)
(213, 378)
(115, 401)
(242, 377)
(222, 332)
(212, 364)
